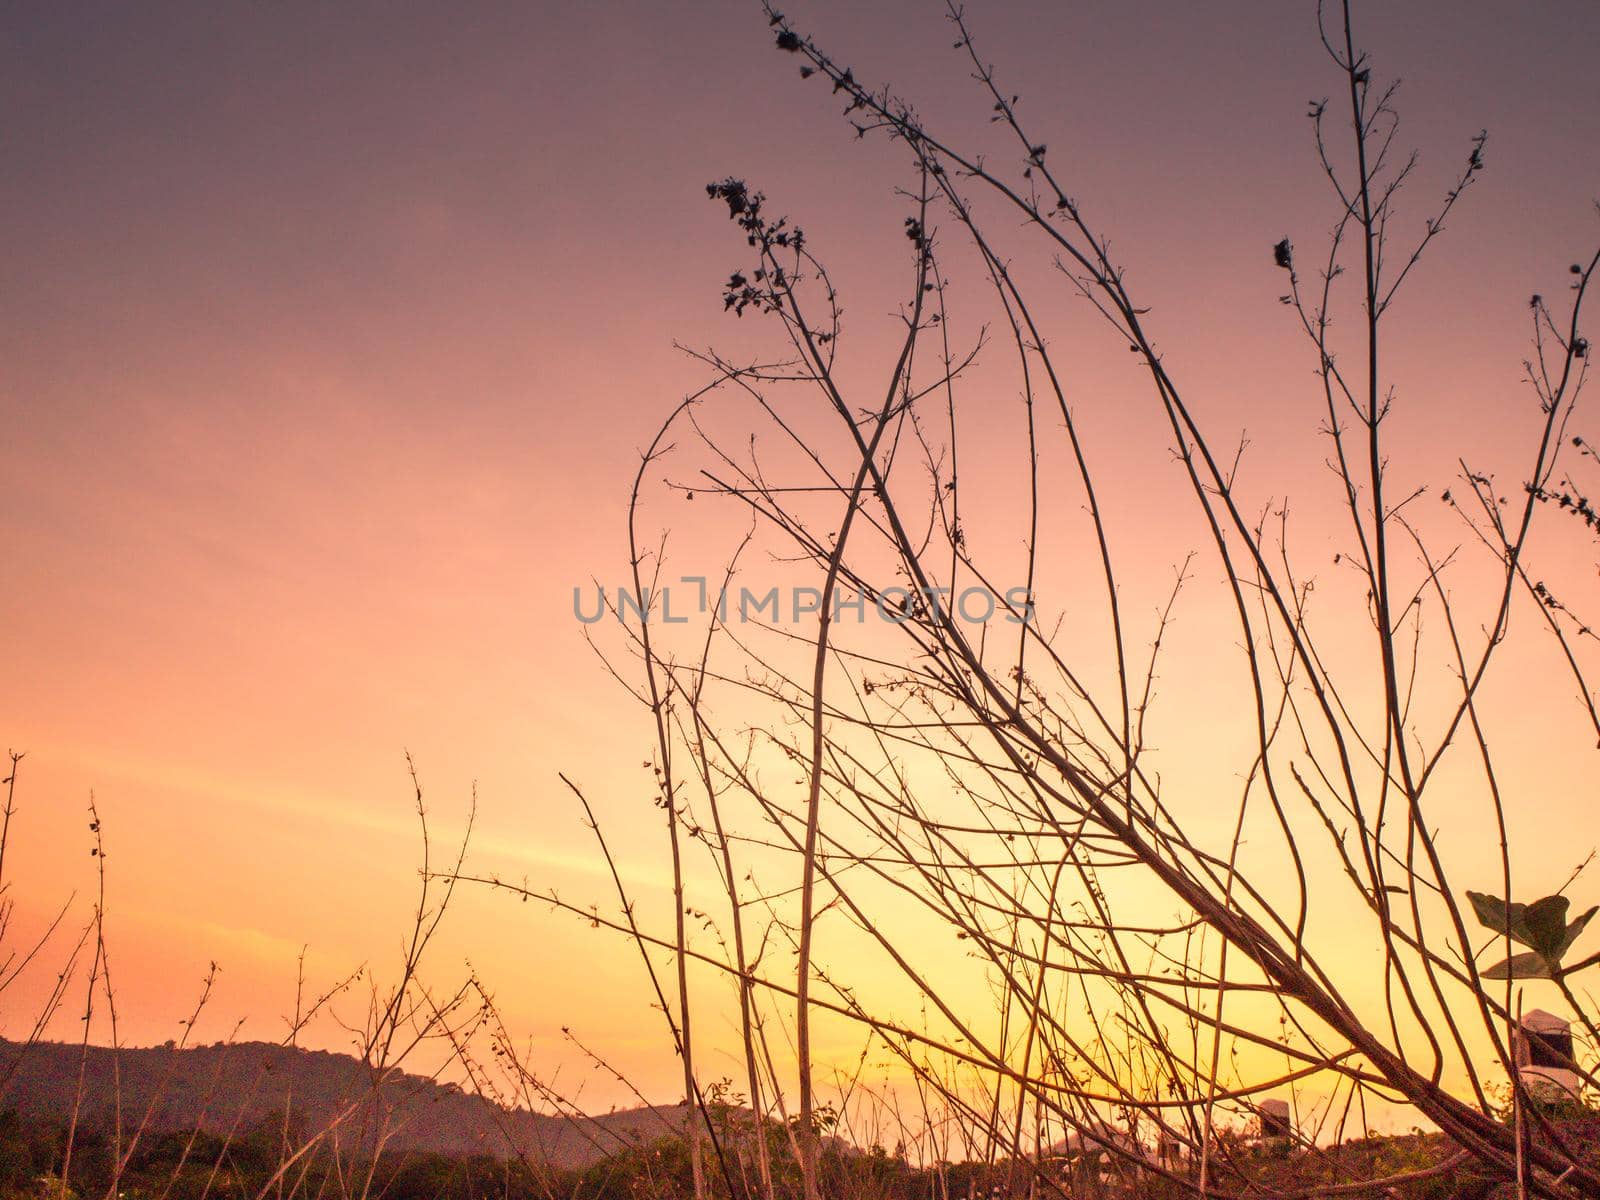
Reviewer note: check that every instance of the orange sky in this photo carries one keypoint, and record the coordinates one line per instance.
(331, 334)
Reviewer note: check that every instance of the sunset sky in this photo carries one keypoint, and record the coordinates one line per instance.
(330, 336)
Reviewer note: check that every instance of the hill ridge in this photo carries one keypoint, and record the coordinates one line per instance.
(234, 1087)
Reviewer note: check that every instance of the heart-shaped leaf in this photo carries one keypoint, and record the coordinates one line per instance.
(1542, 926)
(1500, 916)
(1528, 965)
(1546, 921)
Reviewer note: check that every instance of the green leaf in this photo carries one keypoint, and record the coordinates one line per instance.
(1490, 911)
(1500, 916)
(1528, 965)
(1575, 931)
(1546, 921)
(1542, 926)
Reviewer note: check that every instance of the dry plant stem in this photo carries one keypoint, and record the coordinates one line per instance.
(694, 1101)
(161, 1087)
(1207, 1128)
(98, 980)
(658, 702)
(736, 912)
(16, 758)
(869, 451)
(53, 1002)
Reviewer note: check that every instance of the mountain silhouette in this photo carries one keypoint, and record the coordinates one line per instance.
(235, 1087)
